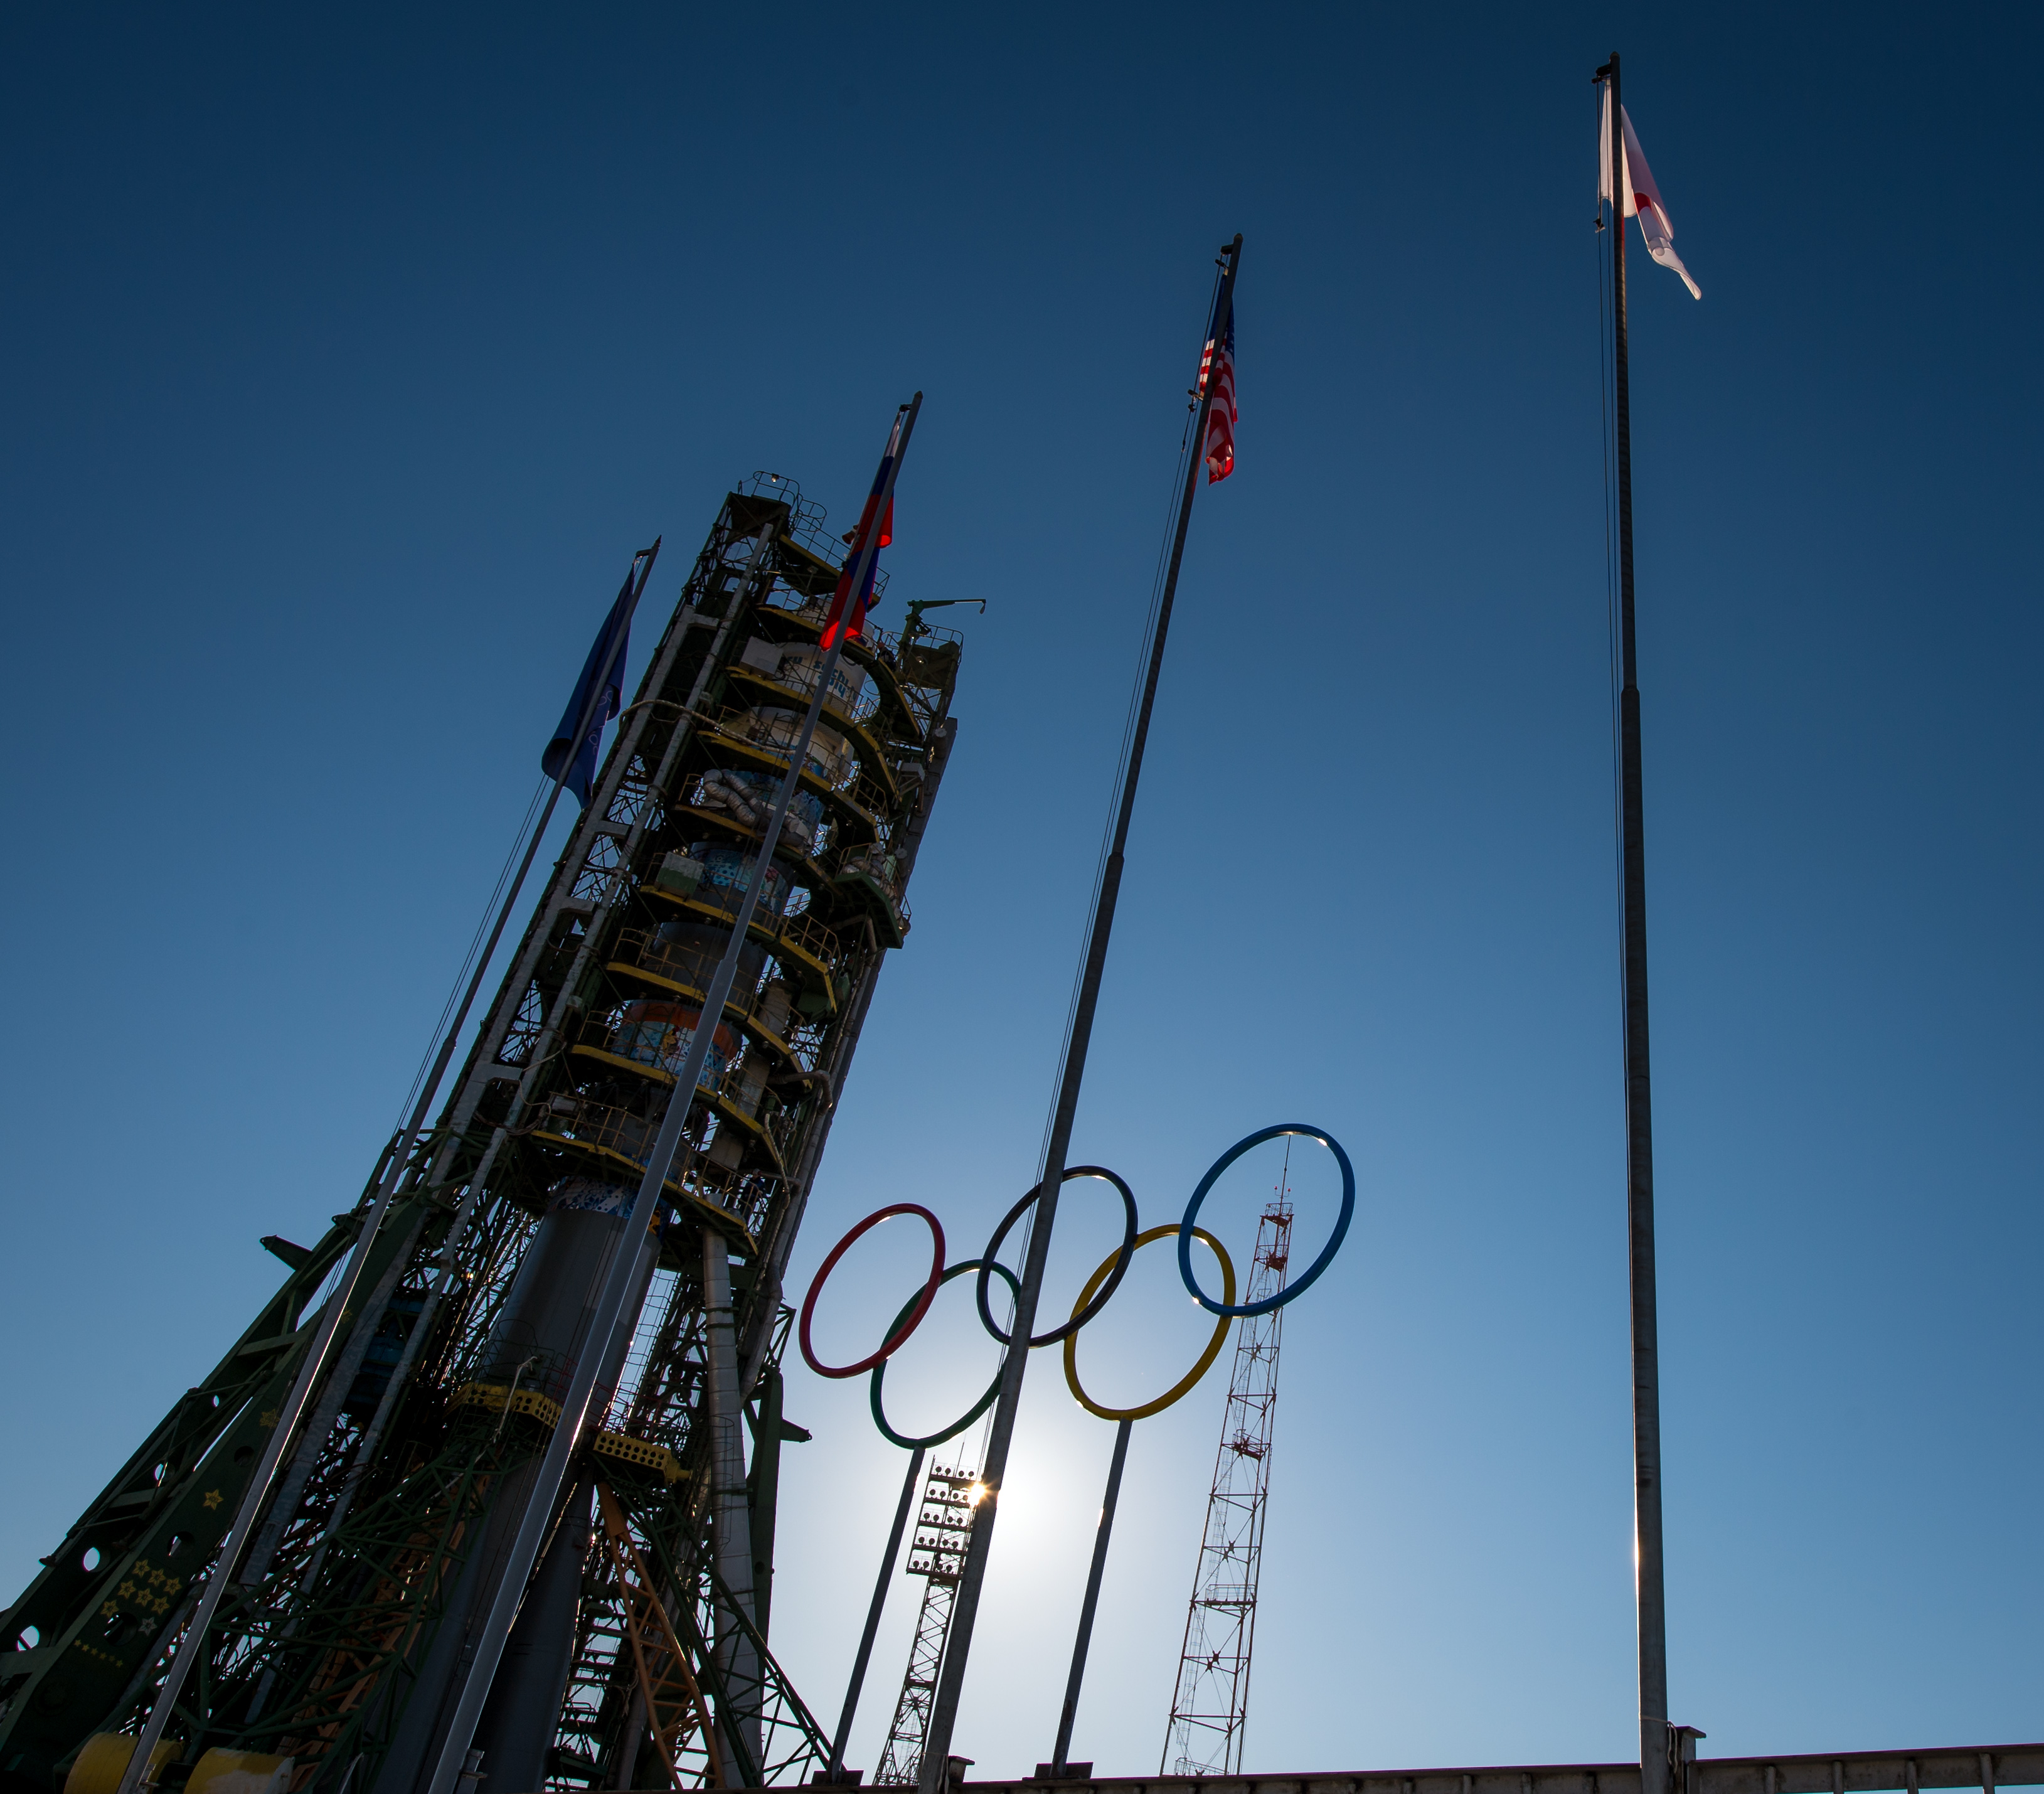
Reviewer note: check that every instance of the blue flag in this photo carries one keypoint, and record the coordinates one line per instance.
(582, 773)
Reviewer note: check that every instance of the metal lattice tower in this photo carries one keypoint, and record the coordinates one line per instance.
(1210, 1707)
(338, 1653)
(937, 1554)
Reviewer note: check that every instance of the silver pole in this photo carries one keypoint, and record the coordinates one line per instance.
(1651, 1591)
(609, 1308)
(937, 1741)
(254, 1497)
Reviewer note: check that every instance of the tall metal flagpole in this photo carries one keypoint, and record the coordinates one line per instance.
(481, 1669)
(1653, 1769)
(256, 1495)
(965, 1610)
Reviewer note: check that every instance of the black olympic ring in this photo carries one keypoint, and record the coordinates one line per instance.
(978, 1407)
(989, 1257)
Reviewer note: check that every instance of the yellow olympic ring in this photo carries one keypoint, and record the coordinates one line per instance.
(1186, 1383)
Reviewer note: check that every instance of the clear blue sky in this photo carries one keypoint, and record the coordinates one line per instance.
(350, 352)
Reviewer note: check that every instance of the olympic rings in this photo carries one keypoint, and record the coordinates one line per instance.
(898, 1336)
(1184, 1384)
(1100, 1288)
(1121, 1258)
(1227, 1309)
(978, 1408)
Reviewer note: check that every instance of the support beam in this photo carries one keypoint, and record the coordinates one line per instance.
(1849, 1771)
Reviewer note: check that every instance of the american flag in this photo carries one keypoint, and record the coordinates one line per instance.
(1219, 452)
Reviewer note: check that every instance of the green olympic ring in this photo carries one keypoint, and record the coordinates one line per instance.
(992, 1388)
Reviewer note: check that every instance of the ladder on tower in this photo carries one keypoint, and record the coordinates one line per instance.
(943, 1528)
(1210, 1705)
(671, 1700)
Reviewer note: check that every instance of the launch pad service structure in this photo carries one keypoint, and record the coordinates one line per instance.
(639, 1658)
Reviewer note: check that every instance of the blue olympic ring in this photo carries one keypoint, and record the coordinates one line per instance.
(1300, 1285)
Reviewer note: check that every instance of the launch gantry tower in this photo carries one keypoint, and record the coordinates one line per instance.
(336, 1660)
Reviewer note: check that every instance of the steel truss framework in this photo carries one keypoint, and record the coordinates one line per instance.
(416, 1428)
(943, 1526)
(1210, 1707)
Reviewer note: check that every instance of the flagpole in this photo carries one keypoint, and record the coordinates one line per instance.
(965, 1608)
(480, 1669)
(255, 1497)
(1654, 1768)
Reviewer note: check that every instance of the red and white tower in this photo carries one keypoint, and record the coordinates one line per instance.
(1210, 1709)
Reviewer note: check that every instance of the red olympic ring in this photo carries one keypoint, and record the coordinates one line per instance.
(899, 1337)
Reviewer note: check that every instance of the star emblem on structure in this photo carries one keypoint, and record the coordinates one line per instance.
(126, 1591)
(110, 1609)
(269, 1416)
(212, 1498)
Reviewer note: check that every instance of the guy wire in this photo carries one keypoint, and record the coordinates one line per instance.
(475, 942)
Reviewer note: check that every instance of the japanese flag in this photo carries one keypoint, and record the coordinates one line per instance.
(1642, 198)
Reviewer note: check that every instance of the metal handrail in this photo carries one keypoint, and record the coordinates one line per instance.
(863, 708)
(809, 935)
(643, 947)
(801, 930)
(742, 723)
(746, 1195)
(872, 860)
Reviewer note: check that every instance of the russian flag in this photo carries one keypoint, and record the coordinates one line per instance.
(847, 613)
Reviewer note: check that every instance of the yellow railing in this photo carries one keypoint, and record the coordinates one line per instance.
(769, 737)
(494, 1398)
(691, 972)
(807, 935)
(801, 930)
(744, 1196)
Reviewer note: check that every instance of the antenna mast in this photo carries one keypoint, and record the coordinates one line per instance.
(1210, 1707)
